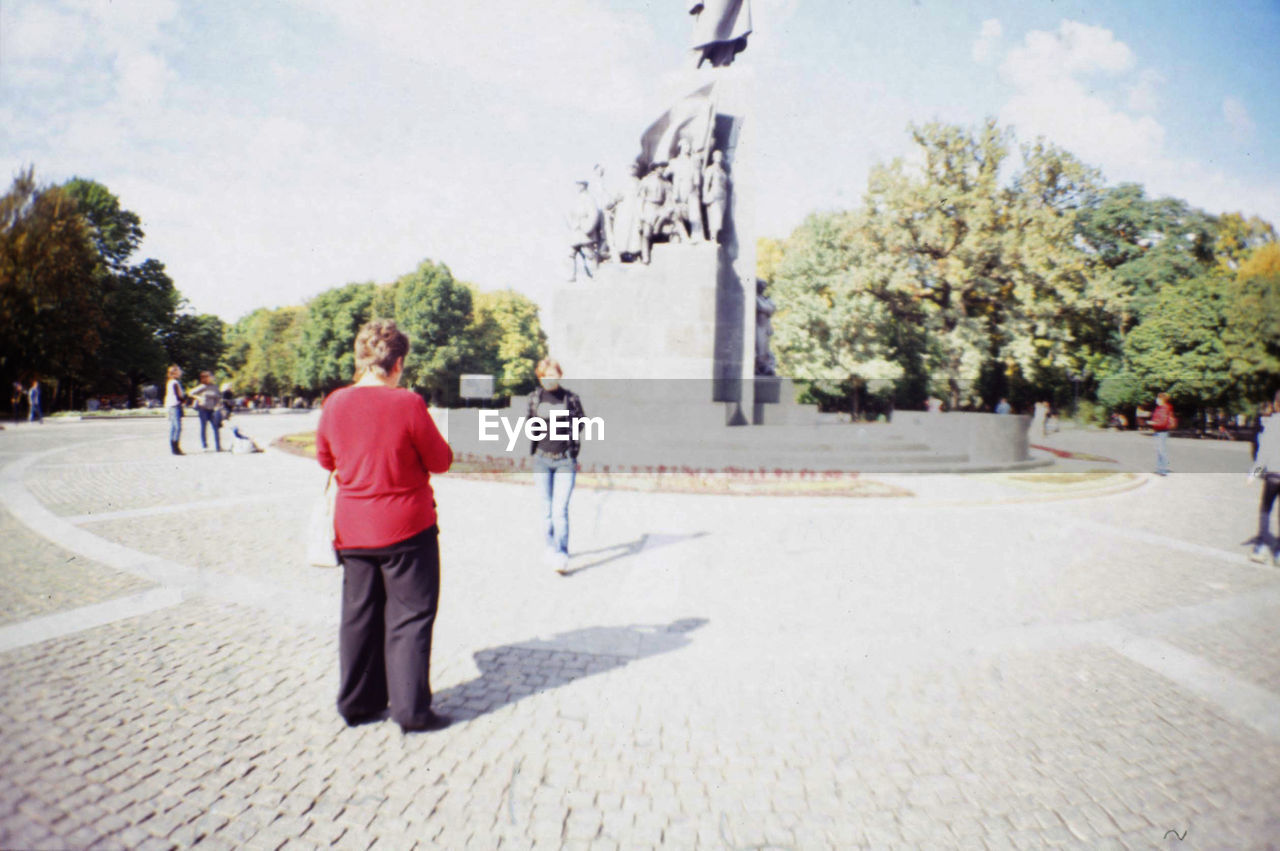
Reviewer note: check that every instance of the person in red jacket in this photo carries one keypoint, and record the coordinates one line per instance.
(1162, 422)
(383, 446)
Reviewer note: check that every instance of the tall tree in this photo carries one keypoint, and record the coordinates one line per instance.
(509, 339)
(986, 268)
(1252, 324)
(141, 305)
(1237, 237)
(435, 311)
(197, 342)
(115, 231)
(1178, 347)
(51, 313)
(1143, 247)
(262, 350)
(326, 355)
(833, 327)
(140, 302)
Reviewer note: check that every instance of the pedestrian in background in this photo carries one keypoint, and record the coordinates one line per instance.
(1162, 422)
(1003, 406)
(1266, 466)
(1039, 416)
(1265, 410)
(174, 399)
(15, 399)
(34, 412)
(208, 399)
(228, 401)
(382, 446)
(555, 461)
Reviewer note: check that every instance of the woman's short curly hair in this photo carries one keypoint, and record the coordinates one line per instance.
(379, 344)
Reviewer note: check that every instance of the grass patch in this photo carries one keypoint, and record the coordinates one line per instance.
(303, 444)
(1071, 480)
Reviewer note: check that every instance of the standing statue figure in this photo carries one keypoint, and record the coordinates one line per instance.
(766, 363)
(715, 194)
(626, 222)
(655, 208)
(606, 203)
(720, 30)
(686, 191)
(584, 232)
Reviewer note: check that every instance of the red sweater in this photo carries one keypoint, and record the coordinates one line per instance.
(384, 445)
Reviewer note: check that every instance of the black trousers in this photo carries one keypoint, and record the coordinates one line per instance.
(389, 601)
(1270, 489)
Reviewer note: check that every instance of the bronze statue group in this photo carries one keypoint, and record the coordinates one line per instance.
(678, 200)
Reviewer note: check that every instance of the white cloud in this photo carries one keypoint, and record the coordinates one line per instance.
(1046, 58)
(1237, 117)
(987, 44)
(557, 51)
(1144, 95)
(1052, 100)
(141, 78)
(39, 32)
(1068, 87)
(124, 26)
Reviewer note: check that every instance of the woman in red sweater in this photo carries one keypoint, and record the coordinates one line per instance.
(383, 445)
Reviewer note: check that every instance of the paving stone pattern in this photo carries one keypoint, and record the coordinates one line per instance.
(37, 577)
(715, 672)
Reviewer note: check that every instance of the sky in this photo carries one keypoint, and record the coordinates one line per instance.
(276, 150)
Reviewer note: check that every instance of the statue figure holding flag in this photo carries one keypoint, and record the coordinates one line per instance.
(720, 30)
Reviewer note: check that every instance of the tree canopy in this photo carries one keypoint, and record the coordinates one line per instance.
(967, 271)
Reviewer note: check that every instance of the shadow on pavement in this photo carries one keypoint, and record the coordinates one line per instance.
(646, 542)
(515, 671)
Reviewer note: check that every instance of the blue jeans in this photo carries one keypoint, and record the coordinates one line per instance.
(210, 417)
(553, 478)
(175, 423)
(1162, 452)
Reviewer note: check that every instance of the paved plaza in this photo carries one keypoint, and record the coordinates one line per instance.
(992, 662)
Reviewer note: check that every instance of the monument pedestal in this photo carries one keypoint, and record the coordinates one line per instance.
(668, 334)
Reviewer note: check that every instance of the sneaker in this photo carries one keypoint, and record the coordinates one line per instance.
(562, 563)
(1258, 556)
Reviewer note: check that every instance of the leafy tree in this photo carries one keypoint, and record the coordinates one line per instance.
(435, 311)
(197, 342)
(769, 254)
(987, 269)
(1179, 348)
(832, 328)
(1237, 237)
(509, 339)
(140, 302)
(326, 354)
(51, 313)
(141, 306)
(1143, 247)
(262, 350)
(1252, 324)
(1261, 262)
(116, 232)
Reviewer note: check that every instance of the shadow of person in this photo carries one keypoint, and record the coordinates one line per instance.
(645, 543)
(513, 672)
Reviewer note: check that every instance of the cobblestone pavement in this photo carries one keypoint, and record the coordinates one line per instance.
(715, 672)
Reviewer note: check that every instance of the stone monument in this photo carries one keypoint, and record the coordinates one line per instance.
(673, 296)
